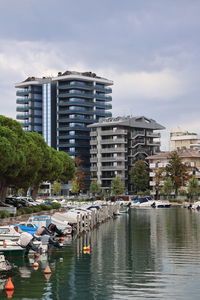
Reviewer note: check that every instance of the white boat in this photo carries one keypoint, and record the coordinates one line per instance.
(148, 202)
(196, 205)
(9, 232)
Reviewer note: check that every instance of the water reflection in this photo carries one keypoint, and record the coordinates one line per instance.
(149, 253)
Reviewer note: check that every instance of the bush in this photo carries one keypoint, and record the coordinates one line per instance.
(55, 205)
(45, 206)
(4, 214)
(36, 208)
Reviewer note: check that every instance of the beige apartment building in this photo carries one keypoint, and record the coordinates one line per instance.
(180, 139)
(191, 158)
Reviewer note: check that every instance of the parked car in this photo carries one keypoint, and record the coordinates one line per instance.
(13, 201)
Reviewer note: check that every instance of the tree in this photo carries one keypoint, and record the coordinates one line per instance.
(78, 180)
(117, 186)
(177, 171)
(12, 140)
(56, 188)
(168, 186)
(157, 179)
(95, 188)
(139, 176)
(193, 187)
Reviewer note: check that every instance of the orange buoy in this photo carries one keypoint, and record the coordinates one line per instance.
(9, 293)
(47, 270)
(9, 285)
(35, 264)
(62, 239)
(86, 248)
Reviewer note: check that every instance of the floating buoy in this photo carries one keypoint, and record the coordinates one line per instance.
(62, 239)
(47, 270)
(35, 266)
(9, 285)
(86, 248)
(9, 293)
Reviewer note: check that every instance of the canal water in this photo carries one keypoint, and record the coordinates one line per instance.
(146, 254)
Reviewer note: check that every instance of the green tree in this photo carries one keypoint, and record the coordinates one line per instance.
(139, 176)
(168, 186)
(11, 152)
(177, 171)
(95, 188)
(117, 186)
(193, 187)
(56, 188)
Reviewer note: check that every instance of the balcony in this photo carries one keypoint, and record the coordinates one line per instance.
(112, 168)
(93, 169)
(64, 128)
(77, 145)
(79, 120)
(93, 159)
(23, 92)
(114, 150)
(113, 141)
(23, 108)
(22, 116)
(93, 151)
(106, 106)
(81, 85)
(80, 95)
(93, 142)
(113, 159)
(102, 113)
(153, 135)
(75, 111)
(84, 86)
(76, 136)
(103, 97)
(78, 102)
(93, 133)
(152, 143)
(113, 132)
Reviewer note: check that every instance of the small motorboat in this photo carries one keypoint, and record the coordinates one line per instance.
(9, 232)
(26, 227)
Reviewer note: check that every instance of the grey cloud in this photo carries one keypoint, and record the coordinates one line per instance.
(111, 38)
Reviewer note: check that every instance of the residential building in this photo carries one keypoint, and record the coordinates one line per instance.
(180, 139)
(117, 143)
(191, 158)
(60, 108)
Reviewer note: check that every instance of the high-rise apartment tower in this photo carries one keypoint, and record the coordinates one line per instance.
(60, 108)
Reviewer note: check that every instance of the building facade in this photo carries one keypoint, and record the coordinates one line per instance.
(191, 158)
(180, 140)
(117, 143)
(60, 108)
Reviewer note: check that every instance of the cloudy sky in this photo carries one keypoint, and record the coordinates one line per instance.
(149, 48)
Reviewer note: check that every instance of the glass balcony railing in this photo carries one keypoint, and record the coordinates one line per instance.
(89, 121)
(76, 94)
(22, 92)
(83, 85)
(22, 100)
(23, 108)
(22, 116)
(104, 97)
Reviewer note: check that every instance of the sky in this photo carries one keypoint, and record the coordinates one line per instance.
(149, 48)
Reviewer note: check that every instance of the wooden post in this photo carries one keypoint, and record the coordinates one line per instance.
(78, 224)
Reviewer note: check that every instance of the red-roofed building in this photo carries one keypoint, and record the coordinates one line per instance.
(191, 158)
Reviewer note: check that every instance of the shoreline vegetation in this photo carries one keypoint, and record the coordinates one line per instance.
(27, 161)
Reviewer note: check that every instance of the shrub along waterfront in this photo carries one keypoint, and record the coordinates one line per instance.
(27, 161)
